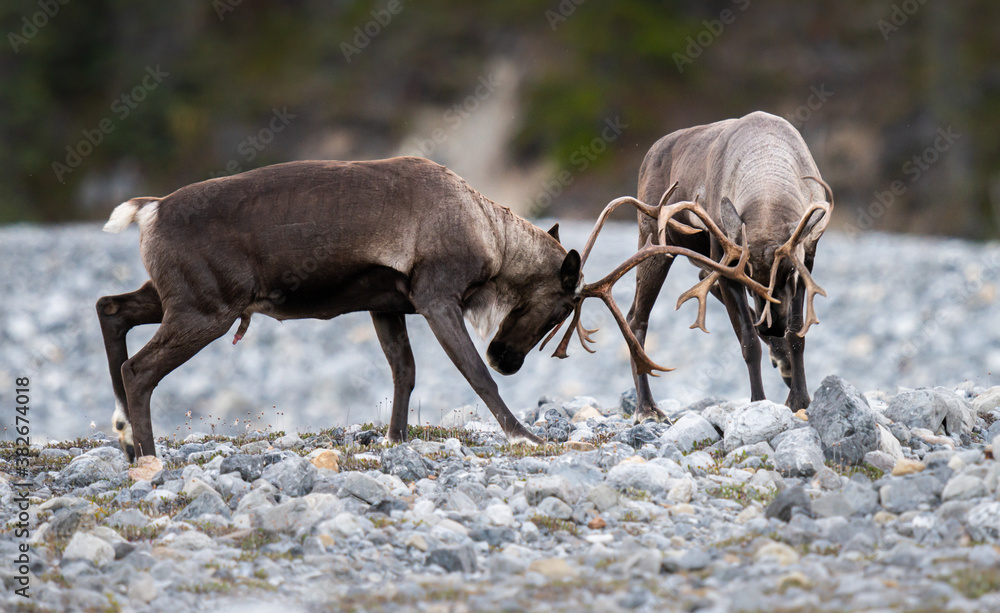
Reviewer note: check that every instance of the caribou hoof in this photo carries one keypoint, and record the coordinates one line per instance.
(651, 415)
(523, 437)
(796, 402)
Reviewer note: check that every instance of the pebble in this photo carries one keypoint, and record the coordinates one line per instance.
(610, 522)
(907, 467)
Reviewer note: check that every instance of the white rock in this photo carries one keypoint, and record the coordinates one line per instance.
(499, 514)
(681, 492)
(141, 588)
(889, 444)
(690, 429)
(86, 546)
(756, 422)
(987, 401)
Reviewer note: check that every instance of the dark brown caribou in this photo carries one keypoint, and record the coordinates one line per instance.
(748, 195)
(318, 239)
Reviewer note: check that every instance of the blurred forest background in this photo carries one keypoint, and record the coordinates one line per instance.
(545, 106)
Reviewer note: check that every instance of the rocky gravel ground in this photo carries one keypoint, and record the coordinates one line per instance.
(901, 312)
(863, 502)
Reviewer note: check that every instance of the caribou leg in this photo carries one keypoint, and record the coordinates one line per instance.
(391, 331)
(798, 395)
(448, 326)
(119, 314)
(650, 275)
(735, 298)
(183, 333)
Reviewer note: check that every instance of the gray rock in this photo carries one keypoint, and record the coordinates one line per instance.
(984, 522)
(363, 487)
(250, 467)
(987, 402)
(68, 520)
(844, 421)
(537, 489)
(907, 493)
(100, 464)
(880, 460)
(292, 517)
(797, 453)
(603, 496)
(718, 414)
(454, 559)
(293, 476)
(255, 499)
(86, 546)
(649, 477)
(690, 429)
(554, 507)
(756, 422)
(207, 503)
(834, 504)
(627, 403)
(404, 462)
(127, 518)
(694, 560)
(963, 487)
(786, 502)
(932, 409)
(861, 495)
(758, 450)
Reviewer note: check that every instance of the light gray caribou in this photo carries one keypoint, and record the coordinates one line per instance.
(764, 208)
(322, 238)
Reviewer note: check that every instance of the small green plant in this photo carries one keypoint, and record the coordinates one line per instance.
(743, 494)
(554, 524)
(849, 470)
(976, 582)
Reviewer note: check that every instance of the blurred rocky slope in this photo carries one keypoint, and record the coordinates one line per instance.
(515, 96)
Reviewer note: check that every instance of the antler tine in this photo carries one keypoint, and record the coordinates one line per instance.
(812, 288)
(602, 289)
(667, 194)
(610, 208)
(824, 185)
(788, 251)
(666, 216)
(703, 287)
(576, 326)
(653, 212)
(551, 334)
(699, 291)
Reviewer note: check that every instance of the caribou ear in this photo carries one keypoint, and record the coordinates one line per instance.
(817, 223)
(569, 274)
(554, 232)
(732, 223)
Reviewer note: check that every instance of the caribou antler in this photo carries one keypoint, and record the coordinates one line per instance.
(788, 251)
(652, 211)
(602, 289)
(583, 333)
